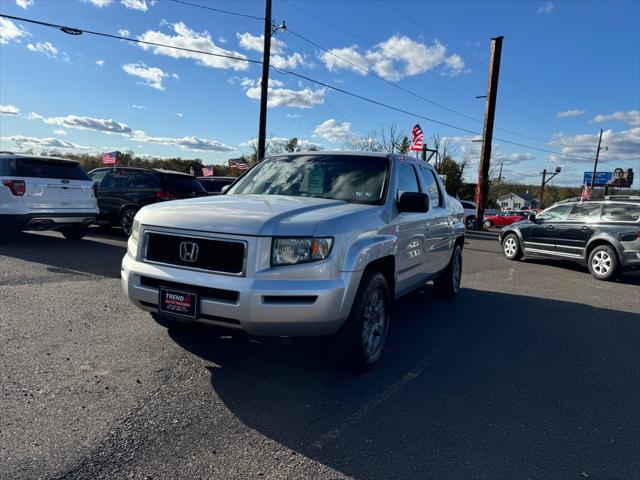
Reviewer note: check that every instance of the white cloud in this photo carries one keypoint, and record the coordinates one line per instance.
(631, 117)
(570, 113)
(396, 58)
(139, 5)
(222, 39)
(123, 32)
(9, 110)
(59, 131)
(85, 123)
(180, 114)
(186, 38)
(10, 32)
(24, 3)
(285, 97)
(185, 143)
(100, 62)
(44, 47)
(546, 7)
(291, 61)
(141, 107)
(256, 43)
(175, 75)
(333, 131)
(99, 3)
(621, 146)
(454, 65)
(293, 115)
(150, 76)
(48, 142)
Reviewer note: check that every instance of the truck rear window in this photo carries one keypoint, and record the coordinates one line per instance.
(46, 168)
(621, 212)
(183, 184)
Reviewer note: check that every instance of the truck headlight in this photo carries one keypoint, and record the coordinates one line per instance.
(135, 232)
(289, 251)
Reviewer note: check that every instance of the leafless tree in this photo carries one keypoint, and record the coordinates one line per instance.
(390, 138)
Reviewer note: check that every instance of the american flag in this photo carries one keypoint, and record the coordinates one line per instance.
(586, 193)
(207, 171)
(109, 158)
(417, 137)
(239, 163)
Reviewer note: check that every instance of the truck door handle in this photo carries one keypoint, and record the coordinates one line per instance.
(585, 228)
(550, 227)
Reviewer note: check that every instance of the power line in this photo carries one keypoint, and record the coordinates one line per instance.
(219, 10)
(77, 31)
(421, 25)
(406, 90)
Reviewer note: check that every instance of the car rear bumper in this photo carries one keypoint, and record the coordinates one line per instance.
(630, 258)
(273, 307)
(47, 220)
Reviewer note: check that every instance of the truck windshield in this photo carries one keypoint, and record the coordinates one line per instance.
(358, 179)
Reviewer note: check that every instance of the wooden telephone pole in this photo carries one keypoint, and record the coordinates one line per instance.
(264, 86)
(595, 164)
(487, 135)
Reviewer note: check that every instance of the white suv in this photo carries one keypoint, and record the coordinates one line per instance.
(45, 193)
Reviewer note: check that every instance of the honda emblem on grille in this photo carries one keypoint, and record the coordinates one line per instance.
(188, 251)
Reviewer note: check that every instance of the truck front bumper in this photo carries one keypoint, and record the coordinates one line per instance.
(263, 307)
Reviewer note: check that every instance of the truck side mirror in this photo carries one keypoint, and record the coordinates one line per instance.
(416, 202)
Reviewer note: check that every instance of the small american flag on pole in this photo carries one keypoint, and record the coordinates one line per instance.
(207, 171)
(586, 193)
(417, 137)
(109, 158)
(239, 163)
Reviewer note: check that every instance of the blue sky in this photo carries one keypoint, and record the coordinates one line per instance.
(568, 69)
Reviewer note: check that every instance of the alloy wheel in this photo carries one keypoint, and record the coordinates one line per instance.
(601, 263)
(510, 247)
(374, 325)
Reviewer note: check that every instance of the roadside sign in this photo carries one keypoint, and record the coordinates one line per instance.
(618, 178)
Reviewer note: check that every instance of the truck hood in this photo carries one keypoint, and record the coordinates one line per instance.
(254, 215)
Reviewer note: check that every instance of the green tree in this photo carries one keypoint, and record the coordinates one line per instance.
(453, 171)
(292, 145)
(405, 145)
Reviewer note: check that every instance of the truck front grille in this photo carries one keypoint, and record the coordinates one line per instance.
(223, 256)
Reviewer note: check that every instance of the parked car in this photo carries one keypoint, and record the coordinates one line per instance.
(45, 193)
(304, 244)
(214, 185)
(122, 191)
(469, 212)
(604, 234)
(502, 219)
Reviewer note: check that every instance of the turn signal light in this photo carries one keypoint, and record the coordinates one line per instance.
(17, 187)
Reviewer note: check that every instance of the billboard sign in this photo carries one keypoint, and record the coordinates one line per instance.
(616, 179)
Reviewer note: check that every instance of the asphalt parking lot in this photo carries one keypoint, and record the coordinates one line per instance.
(532, 372)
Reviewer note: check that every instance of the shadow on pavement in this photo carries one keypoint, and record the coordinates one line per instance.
(490, 385)
(88, 255)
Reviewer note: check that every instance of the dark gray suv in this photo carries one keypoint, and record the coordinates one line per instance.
(604, 234)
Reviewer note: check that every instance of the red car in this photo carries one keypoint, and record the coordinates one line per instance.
(503, 218)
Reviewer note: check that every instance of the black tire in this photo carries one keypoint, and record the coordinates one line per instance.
(74, 233)
(169, 321)
(470, 221)
(126, 220)
(447, 284)
(511, 247)
(603, 263)
(371, 311)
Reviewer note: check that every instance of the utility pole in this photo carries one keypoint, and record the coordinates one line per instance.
(487, 133)
(595, 164)
(264, 86)
(545, 181)
(500, 174)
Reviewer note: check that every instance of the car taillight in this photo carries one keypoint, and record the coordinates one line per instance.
(17, 187)
(164, 195)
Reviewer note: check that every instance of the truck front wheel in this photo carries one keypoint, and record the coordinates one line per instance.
(362, 337)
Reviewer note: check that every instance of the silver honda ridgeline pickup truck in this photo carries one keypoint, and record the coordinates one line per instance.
(304, 244)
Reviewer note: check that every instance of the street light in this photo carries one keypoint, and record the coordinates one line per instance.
(546, 180)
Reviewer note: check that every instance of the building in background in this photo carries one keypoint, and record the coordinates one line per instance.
(512, 201)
